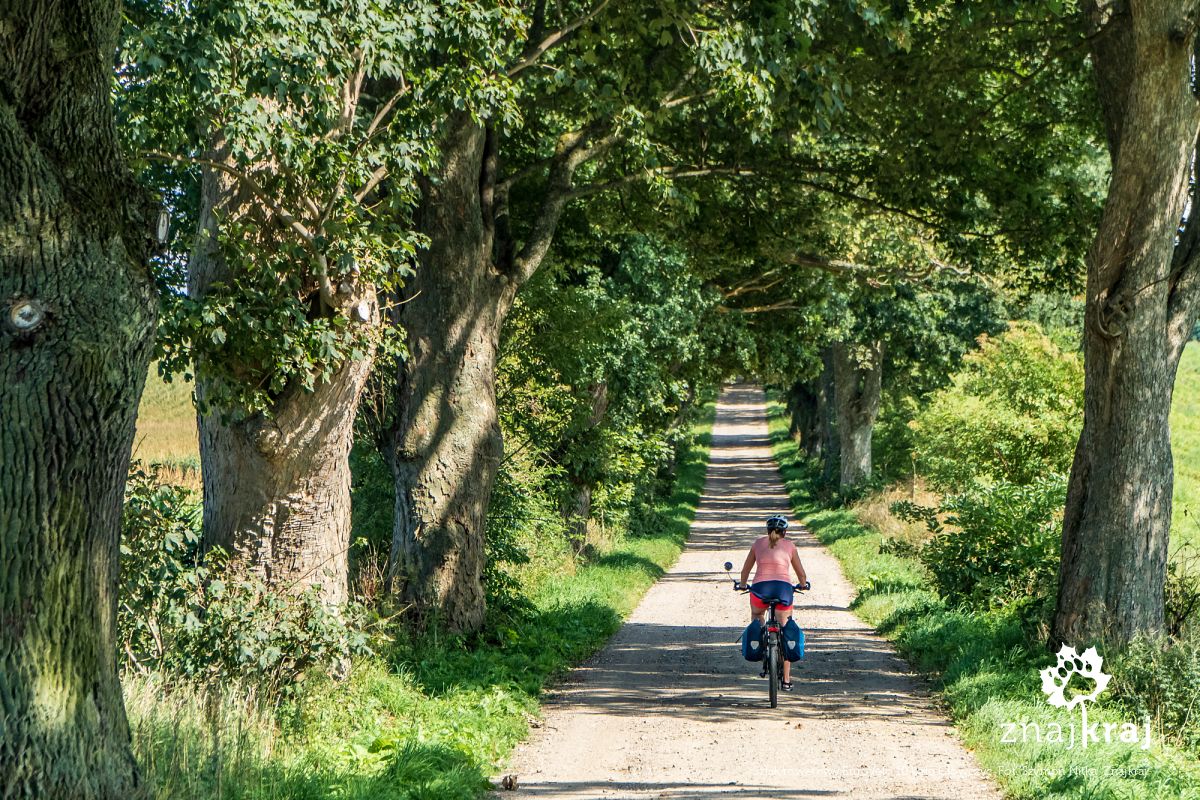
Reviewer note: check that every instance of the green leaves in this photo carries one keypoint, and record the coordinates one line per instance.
(182, 612)
(1012, 414)
(994, 545)
(310, 122)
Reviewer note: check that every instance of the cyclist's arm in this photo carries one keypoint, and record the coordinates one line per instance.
(796, 565)
(747, 567)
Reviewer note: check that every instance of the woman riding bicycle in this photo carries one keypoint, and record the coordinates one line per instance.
(773, 554)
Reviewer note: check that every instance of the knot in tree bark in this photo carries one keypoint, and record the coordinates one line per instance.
(25, 315)
(1114, 312)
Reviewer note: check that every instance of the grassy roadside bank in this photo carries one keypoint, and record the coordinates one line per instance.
(428, 719)
(985, 666)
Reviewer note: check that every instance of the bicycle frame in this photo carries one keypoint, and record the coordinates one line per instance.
(773, 654)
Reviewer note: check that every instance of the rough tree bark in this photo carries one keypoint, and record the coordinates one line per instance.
(858, 388)
(79, 312)
(1141, 305)
(445, 442)
(277, 485)
(277, 489)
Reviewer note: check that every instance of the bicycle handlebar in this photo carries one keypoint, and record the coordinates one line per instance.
(738, 587)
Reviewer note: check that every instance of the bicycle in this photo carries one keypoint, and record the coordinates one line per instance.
(773, 654)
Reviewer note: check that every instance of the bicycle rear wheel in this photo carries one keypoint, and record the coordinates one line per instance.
(772, 656)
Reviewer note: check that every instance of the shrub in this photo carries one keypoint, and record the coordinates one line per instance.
(994, 545)
(1181, 592)
(1011, 415)
(1159, 677)
(183, 612)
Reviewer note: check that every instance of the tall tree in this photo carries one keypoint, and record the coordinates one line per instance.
(607, 99)
(1143, 296)
(303, 124)
(78, 318)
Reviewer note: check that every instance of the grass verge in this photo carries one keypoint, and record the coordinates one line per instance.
(432, 719)
(985, 665)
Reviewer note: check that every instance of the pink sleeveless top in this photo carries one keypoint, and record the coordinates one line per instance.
(772, 564)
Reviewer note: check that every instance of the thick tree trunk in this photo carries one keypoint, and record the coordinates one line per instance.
(829, 443)
(1141, 298)
(858, 389)
(445, 441)
(577, 509)
(446, 444)
(78, 316)
(804, 410)
(277, 489)
(276, 485)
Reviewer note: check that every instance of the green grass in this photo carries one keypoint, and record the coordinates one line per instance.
(1185, 444)
(984, 664)
(432, 718)
(166, 424)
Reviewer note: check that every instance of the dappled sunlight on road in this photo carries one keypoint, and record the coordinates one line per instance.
(669, 709)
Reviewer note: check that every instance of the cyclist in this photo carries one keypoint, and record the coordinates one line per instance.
(774, 554)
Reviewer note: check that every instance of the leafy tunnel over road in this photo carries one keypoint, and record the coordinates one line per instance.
(668, 709)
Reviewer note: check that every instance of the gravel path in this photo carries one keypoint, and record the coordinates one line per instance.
(670, 710)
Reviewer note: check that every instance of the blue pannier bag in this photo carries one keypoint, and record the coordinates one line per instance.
(793, 641)
(752, 642)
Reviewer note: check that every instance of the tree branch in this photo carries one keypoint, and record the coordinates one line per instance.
(286, 217)
(782, 305)
(533, 51)
(325, 285)
(650, 173)
(573, 149)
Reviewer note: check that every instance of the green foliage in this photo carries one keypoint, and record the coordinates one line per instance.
(309, 123)
(182, 612)
(1181, 591)
(1012, 414)
(601, 362)
(439, 714)
(1159, 677)
(985, 662)
(994, 545)
(1058, 314)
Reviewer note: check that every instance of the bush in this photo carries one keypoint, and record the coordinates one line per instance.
(1160, 678)
(1181, 592)
(994, 545)
(1011, 415)
(183, 612)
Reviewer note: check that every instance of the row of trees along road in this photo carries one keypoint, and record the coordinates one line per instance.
(352, 183)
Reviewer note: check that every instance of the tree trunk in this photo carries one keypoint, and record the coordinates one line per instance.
(804, 410)
(78, 314)
(577, 509)
(858, 381)
(829, 443)
(446, 444)
(1141, 305)
(277, 489)
(445, 440)
(276, 485)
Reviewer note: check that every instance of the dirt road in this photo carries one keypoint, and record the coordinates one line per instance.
(670, 710)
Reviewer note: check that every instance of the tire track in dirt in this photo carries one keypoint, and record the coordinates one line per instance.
(668, 709)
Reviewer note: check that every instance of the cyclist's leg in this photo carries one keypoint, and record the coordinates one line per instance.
(758, 610)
